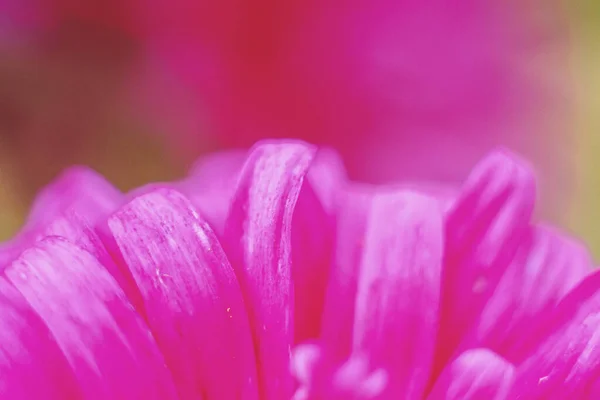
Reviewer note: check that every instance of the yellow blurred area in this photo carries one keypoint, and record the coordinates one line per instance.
(585, 57)
(65, 106)
(127, 160)
(11, 208)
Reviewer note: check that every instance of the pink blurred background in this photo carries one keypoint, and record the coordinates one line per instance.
(405, 90)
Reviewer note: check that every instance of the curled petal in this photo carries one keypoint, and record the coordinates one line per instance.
(190, 295)
(106, 343)
(258, 236)
(477, 374)
(484, 228)
(312, 242)
(211, 185)
(565, 361)
(326, 175)
(398, 296)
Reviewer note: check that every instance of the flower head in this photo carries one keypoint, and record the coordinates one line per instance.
(269, 275)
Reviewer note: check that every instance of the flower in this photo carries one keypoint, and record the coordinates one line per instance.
(270, 275)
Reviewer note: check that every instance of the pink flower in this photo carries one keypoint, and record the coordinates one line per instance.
(269, 275)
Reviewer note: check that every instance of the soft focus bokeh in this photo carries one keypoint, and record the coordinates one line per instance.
(403, 90)
(584, 212)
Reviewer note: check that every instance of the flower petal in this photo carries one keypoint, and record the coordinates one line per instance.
(78, 188)
(258, 236)
(305, 360)
(565, 362)
(547, 266)
(28, 351)
(483, 231)
(211, 185)
(313, 228)
(71, 207)
(320, 377)
(339, 308)
(477, 374)
(355, 380)
(191, 298)
(78, 192)
(107, 344)
(214, 170)
(79, 229)
(9, 251)
(326, 175)
(398, 296)
(445, 194)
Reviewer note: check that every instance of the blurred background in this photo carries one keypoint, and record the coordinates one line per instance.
(404, 89)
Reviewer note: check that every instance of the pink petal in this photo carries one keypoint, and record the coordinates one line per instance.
(191, 298)
(326, 176)
(476, 374)
(319, 377)
(312, 242)
(398, 296)
(71, 207)
(338, 312)
(445, 194)
(258, 233)
(547, 266)
(28, 351)
(215, 169)
(79, 197)
(106, 343)
(78, 188)
(594, 392)
(306, 358)
(79, 230)
(355, 380)
(211, 185)
(566, 358)
(483, 231)
(9, 251)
